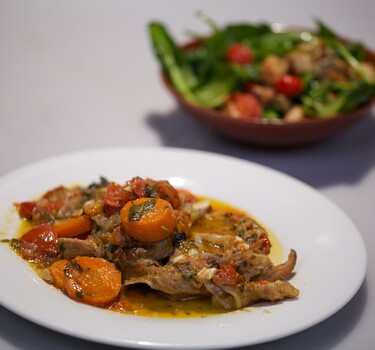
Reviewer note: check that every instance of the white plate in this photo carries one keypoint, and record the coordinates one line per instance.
(301, 218)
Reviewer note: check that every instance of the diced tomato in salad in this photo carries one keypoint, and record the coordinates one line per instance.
(289, 85)
(239, 53)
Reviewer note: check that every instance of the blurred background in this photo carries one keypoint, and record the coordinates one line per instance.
(81, 74)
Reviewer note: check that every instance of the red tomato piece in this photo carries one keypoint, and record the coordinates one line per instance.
(246, 105)
(116, 196)
(289, 85)
(227, 275)
(264, 244)
(25, 209)
(138, 186)
(43, 238)
(239, 53)
(166, 191)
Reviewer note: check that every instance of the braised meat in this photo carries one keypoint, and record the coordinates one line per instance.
(152, 234)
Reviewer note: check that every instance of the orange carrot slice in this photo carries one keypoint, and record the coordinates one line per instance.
(57, 272)
(73, 226)
(148, 219)
(93, 281)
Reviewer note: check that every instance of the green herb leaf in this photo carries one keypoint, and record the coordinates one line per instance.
(151, 192)
(136, 211)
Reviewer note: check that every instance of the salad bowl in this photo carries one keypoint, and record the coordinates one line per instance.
(336, 92)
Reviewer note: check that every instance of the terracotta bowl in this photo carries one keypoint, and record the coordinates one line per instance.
(272, 133)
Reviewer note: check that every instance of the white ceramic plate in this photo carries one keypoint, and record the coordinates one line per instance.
(303, 219)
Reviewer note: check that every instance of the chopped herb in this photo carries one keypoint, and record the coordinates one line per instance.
(72, 266)
(150, 191)
(79, 294)
(138, 210)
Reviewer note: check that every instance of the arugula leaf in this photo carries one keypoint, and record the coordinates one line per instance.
(330, 37)
(345, 97)
(316, 108)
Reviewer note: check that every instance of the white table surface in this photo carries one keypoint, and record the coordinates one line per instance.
(80, 74)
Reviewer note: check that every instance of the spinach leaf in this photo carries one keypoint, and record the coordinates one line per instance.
(216, 91)
(172, 61)
(241, 32)
(357, 50)
(245, 73)
(271, 114)
(209, 84)
(275, 44)
(357, 96)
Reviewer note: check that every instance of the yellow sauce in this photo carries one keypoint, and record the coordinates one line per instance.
(277, 253)
(142, 301)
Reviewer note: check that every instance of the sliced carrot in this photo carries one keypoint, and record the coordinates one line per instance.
(93, 281)
(72, 227)
(148, 219)
(57, 272)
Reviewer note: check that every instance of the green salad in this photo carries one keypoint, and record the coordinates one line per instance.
(254, 71)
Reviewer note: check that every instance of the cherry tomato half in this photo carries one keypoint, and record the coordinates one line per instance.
(289, 85)
(239, 53)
